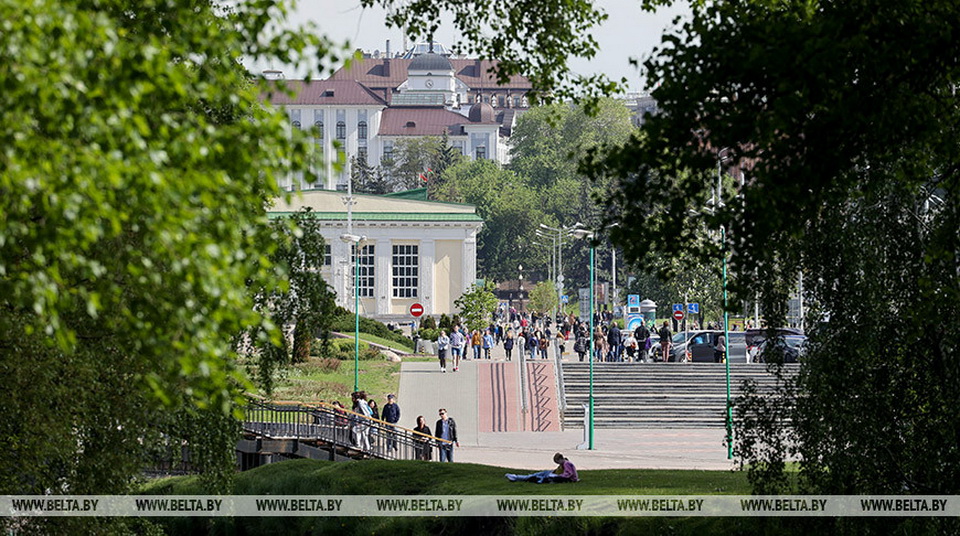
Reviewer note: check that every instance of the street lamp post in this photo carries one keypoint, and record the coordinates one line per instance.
(355, 242)
(726, 327)
(582, 233)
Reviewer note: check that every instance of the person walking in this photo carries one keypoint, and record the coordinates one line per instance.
(446, 428)
(666, 337)
(642, 335)
(361, 429)
(561, 345)
(533, 343)
(443, 343)
(613, 340)
(456, 347)
(487, 344)
(475, 341)
(423, 447)
(391, 414)
(508, 343)
(720, 350)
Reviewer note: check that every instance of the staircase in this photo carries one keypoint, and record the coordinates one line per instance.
(657, 395)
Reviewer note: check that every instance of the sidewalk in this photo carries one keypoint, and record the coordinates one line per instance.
(424, 389)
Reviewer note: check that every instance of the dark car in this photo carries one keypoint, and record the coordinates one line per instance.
(790, 346)
(755, 337)
(698, 346)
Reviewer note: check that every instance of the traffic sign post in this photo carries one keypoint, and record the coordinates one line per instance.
(693, 308)
(416, 310)
(678, 315)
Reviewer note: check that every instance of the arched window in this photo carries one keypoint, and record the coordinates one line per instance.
(362, 130)
(341, 130)
(296, 124)
(319, 125)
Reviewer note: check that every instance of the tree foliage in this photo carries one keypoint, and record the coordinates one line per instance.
(417, 158)
(477, 306)
(137, 161)
(843, 118)
(543, 297)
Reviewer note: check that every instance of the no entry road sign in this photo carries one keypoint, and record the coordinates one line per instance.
(416, 310)
(678, 315)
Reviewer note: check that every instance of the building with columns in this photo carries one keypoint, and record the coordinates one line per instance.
(415, 251)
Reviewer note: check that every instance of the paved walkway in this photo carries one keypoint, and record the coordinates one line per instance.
(424, 389)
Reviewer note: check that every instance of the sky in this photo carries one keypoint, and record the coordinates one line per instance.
(628, 32)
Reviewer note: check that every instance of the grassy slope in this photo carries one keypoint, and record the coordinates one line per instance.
(308, 477)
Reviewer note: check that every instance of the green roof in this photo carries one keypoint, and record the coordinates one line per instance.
(418, 194)
(384, 216)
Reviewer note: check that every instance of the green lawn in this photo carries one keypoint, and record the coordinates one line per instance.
(310, 382)
(379, 477)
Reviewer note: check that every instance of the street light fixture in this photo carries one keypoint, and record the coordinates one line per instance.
(583, 233)
(355, 241)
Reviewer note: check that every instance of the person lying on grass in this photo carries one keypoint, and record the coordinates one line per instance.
(565, 472)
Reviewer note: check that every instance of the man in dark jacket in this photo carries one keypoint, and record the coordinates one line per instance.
(391, 414)
(446, 429)
(642, 334)
(613, 339)
(666, 337)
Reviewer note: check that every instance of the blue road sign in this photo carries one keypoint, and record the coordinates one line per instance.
(633, 300)
(565, 298)
(693, 308)
(678, 307)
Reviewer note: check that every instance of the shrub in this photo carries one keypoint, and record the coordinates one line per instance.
(445, 322)
(428, 323)
(430, 334)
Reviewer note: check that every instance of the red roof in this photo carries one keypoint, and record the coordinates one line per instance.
(325, 92)
(382, 73)
(412, 121)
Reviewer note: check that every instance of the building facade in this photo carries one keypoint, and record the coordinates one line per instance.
(414, 251)
(365, 109)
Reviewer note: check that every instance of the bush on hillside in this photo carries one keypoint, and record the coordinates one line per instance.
(429, 334)
(428, 323)
(445, 322)
(344, 321)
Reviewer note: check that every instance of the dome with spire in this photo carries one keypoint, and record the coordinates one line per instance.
(482, 113)
(430, 62)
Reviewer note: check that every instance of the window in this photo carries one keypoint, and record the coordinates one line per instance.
(362, 130)
(366, 275)
(319, 126)
(362, 153)
(296, 125)
(327, 255)
(341, 130)
(517, 101)
(481, 153)
(406, 271)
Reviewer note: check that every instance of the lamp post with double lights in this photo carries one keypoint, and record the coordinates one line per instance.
(583, 233)
(560, 234)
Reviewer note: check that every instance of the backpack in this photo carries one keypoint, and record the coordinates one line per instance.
(543, 343)
(508, 344)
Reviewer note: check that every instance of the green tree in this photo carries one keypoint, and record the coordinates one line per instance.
(477, 306)
(368, 179)
(543, 297)
(306, 302)
(415, 158)
(138, 161)
(842, 117)
(510, 213)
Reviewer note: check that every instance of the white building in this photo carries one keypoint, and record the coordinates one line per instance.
(364, 110)
(415, 251)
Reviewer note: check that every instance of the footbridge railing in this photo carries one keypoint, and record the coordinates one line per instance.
(334, 428)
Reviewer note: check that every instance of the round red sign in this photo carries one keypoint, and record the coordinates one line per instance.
(416, 309)
(678, 315)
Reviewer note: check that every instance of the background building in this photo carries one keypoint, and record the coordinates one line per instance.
(363, 110)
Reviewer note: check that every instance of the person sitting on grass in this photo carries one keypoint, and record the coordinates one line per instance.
(565, 472)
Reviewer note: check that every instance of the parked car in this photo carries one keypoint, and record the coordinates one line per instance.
(791, 346)
(698, 347)
(755, 337)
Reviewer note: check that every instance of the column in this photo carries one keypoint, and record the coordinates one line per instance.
(428, 254)
(382, 290)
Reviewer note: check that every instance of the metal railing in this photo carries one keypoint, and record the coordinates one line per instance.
(335, 427)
